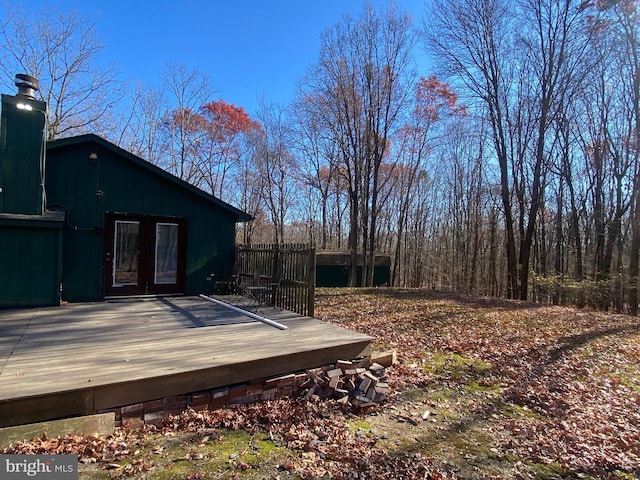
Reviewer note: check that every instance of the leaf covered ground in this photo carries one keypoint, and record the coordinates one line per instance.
(484, 388)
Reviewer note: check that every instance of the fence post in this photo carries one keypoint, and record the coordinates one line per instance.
(275, 254)
(311, 282)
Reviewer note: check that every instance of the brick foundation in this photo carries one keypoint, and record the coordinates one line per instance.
(152, 412)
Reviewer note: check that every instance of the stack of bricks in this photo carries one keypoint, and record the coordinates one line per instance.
(246, 393)
(149, 413)
(361, 384)
(152, 412)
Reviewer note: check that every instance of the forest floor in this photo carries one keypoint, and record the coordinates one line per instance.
(484, 388)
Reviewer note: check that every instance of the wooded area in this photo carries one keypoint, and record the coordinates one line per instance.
(514, 172)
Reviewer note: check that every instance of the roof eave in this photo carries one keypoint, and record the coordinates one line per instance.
(240, 215)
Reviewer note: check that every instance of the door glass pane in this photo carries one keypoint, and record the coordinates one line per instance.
(125, 253)
(166, 270)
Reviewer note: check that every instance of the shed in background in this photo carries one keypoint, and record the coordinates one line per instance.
(332, 269)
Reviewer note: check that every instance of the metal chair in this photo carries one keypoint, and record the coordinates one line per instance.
(259, 292)
(230, 285)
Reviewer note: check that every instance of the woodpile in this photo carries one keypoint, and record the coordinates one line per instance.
(360, 384)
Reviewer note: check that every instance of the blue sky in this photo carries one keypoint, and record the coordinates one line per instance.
(249, 48)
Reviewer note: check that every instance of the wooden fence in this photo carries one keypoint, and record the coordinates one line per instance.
(292, 266)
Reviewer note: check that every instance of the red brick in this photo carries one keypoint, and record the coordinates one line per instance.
(307, 383)
(243, 399)
(155, 406)
(364, 385)
(116, 411)
(237, 392)
(176, 404)
(377, 369)
(255, 389)
(287, 382)
(154, 418)
(132, 410)
(341, 393)
(364, 363)
(286, 391)
(200, 399)
(382, 387)
(344, 364)
(269, 394)
(300, 379)
(176, 400)
(219, 402)
(175, 409)
(220, 393)
(159, 402)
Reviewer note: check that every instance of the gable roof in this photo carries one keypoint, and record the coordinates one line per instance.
(153, 169)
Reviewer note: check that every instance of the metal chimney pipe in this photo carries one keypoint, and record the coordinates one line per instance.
(27, 86)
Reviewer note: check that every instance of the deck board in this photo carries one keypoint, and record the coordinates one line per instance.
(81, 358)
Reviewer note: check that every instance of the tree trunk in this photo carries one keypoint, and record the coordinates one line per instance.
(634, 251)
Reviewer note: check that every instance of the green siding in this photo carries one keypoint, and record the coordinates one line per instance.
(20, 157)
(332, 269)
(88, 188)
(30, 240)
(31, 261)
(338, 275)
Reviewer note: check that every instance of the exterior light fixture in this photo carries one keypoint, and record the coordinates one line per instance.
(24, 106)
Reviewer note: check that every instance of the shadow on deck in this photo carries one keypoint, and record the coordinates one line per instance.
(80, 359)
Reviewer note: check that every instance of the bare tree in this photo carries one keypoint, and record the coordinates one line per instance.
(248, 196)
(140, 130)
(412, 145)
(187, 90)
(624, 29)
(555, 46)
(473, 39)
(275, 163)
(60, 50)
(317, 164)
(521, 71)
(359, 88)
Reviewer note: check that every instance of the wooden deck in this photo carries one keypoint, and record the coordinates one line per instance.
(81, 358)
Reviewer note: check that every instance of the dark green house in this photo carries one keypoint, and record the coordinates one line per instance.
(82, 219)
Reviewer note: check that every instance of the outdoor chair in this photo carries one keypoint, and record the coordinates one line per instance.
(265, 293)
(229, 285)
